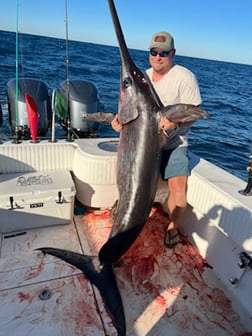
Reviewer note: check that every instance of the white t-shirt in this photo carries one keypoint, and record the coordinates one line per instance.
(179, 85)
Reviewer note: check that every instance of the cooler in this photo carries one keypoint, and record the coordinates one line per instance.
(37, 199)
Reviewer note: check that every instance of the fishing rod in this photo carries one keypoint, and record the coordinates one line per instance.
(53, 117)
(69, 135)
(16, 139)
(248, 190)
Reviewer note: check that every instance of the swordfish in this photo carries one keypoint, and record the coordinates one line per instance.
(138, 157)
(138, 161)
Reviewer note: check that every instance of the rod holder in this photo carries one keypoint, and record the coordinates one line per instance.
(236, 280)
(244, 263)
(16, 139)
(248, 190)
(60, 198)
(245, 260)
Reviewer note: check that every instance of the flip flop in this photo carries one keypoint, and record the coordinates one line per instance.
(171, 240)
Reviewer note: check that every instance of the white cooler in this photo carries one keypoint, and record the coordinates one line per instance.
(37, 199)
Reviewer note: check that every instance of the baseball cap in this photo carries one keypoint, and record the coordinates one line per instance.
(162, 40)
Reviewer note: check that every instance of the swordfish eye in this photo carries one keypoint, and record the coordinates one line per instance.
(127, 82)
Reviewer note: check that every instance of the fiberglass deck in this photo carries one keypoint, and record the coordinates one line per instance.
(164, 291)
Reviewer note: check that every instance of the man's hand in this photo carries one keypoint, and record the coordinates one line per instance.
(116, 124)
(166, 124)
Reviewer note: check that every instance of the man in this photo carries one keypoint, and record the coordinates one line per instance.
(174, 84)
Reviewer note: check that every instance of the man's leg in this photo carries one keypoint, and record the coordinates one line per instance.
(176, 204)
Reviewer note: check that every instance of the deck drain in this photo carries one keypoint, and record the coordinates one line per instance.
(45, 294)
(41, 255)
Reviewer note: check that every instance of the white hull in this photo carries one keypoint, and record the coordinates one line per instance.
(218, 222)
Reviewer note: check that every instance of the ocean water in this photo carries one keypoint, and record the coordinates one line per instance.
(226, 89)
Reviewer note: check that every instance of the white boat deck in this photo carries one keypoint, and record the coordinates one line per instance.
(182, 291)
(164, 291)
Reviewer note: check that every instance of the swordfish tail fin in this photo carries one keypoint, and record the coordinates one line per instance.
(102, 277)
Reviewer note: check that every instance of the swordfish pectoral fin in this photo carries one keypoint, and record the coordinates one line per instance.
(102, 277)
(184, 114)
(127, 114)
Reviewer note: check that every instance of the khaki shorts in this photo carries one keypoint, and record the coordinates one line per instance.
(174, 162)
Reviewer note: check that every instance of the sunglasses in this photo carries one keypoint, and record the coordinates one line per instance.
(161, 54)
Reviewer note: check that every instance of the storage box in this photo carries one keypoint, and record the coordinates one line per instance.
(29, 200)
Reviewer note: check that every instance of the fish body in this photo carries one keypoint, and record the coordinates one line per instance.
(138, 156)
(138, 161)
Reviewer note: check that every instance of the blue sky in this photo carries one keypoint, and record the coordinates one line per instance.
(212, 29)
